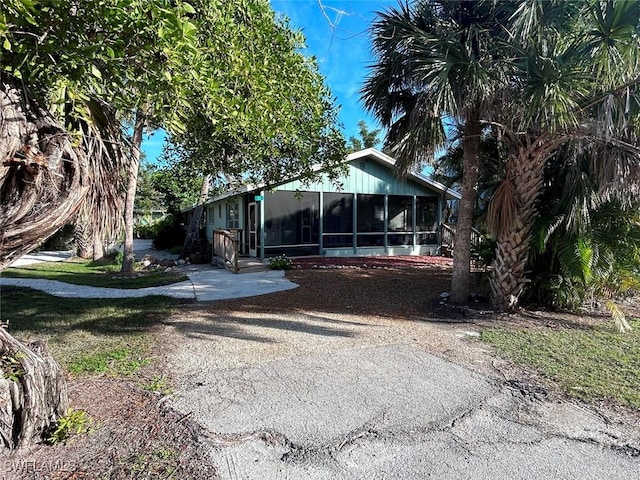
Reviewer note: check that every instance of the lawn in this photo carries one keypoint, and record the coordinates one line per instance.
(96, 274)
(594, 363)
(87, 336)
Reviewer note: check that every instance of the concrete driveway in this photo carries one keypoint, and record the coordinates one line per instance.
(308, 396)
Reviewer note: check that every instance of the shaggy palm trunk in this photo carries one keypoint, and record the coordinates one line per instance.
(43, 177)
(33, 392)
(524, 183)
(83, 239)
(462, 244)
(132, 183)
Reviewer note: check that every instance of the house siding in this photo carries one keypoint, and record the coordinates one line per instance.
(217, 215)
(364, 176)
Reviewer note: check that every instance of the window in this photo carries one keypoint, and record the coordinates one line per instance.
(400, 213)
(370, 213)
(427, 220)
(400, 220)
(233, 217)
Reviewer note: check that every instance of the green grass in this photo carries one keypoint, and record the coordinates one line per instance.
(87, 336)
(590, 364)
(116, 361)
(95, 274)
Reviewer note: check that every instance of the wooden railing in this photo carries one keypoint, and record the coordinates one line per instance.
(225, 247)
(449, 235)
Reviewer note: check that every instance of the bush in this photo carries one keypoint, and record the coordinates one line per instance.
(62, 240)
(148, 231)
(485, 252)
(281, 262)
(170, 234)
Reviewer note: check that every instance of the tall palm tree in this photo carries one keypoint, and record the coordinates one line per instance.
(575, 80)
(436, 59)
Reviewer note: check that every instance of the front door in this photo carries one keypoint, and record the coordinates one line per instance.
(253, 230)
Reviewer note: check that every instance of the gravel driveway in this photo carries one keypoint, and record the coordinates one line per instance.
(289, 386)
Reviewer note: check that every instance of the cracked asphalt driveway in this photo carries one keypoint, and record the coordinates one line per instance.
(346, 397)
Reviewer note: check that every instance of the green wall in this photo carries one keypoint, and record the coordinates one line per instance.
(365, 176)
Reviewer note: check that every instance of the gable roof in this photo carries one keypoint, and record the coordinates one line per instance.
(370, 153)
(386, 160)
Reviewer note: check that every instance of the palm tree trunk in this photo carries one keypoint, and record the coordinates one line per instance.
(82, 236)
(132, 183)
(98, 245)
(33, 390)
(525, 174)
(43, 177)
(462, 246)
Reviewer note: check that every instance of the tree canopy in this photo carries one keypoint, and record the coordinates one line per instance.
(226, 80)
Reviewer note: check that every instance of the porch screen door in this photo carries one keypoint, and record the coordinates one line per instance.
(253, 230)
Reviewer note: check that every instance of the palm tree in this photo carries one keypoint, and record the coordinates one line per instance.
(575, 81)
(436, 59)
(586, 247)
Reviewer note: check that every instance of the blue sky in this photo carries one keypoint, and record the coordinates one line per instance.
(336, 33)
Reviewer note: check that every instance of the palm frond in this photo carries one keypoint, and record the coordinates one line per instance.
(618, 316)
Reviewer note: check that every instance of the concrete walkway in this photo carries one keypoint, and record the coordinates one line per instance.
(205, 283)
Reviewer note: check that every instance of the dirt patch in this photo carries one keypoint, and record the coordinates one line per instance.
(132, 436)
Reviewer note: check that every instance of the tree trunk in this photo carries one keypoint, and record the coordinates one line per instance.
(525, 175)
(101, 217)
(132, 183)
(43, 176)
(83, 240)
(98, 245)
(194, 225)
(462, 245)
(33, 392)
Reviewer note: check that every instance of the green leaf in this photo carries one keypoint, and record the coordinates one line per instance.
(188, 8)
(95, 71)
(6, 44)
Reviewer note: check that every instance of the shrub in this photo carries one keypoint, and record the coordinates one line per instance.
(281, 262)
(73, 422)
(485, 252)
(170, 234)
(62, 240)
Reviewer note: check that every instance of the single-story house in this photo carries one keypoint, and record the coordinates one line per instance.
(374, 213)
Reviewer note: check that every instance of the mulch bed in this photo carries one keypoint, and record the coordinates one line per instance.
(406, 261)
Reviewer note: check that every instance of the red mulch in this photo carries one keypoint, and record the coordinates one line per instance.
(405, 261)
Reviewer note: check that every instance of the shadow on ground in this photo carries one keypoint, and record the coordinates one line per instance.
(36, 313)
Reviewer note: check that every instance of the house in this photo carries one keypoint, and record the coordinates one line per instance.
(374, 213)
